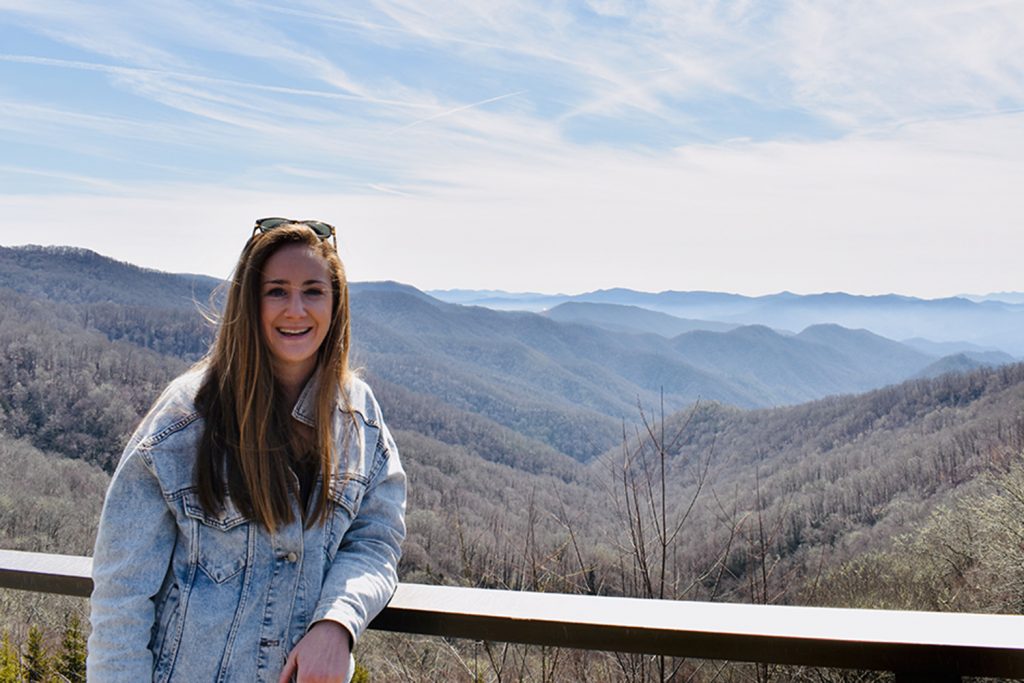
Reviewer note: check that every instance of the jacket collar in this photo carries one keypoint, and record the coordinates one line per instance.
(305, 408)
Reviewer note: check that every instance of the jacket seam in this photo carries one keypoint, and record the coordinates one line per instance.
(381, 456)
(176, 426)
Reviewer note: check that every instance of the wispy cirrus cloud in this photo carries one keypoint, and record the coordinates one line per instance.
(712, 132)
(76, 181)
(139, 74)
(680, 72)
(880, 62)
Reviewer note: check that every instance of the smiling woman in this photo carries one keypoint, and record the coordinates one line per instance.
(253, 526)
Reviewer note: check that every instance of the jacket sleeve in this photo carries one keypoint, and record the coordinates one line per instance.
(364, 573)
(133, 552)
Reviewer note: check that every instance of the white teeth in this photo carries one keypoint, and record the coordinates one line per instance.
(294, 333)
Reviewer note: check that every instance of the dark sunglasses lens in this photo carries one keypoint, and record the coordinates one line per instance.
(321, 229)
(265, 224)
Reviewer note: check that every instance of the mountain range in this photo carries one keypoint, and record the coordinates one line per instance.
(984, 324)
(560, 382)
(589, 371)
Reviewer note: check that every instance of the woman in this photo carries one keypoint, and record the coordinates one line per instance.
(253, 525)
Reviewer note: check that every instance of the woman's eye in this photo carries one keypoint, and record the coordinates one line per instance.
(316, 291)
(275, 292)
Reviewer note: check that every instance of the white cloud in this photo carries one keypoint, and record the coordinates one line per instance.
(882, 61)
(101, 29)
(906, 213)
(475, 156)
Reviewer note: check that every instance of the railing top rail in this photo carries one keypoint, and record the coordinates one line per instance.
(909, 642)
(949, 629)
(46, 573)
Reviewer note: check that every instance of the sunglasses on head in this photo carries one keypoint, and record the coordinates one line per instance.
(322, 230)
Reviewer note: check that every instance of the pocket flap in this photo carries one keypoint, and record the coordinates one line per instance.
(347, 491)
(227, 518)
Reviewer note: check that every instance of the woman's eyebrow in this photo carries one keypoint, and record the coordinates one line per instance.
(285, 281)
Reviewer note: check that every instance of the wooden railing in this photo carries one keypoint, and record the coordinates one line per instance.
(917, 646)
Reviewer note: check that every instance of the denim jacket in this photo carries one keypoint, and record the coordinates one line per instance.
(182, 595)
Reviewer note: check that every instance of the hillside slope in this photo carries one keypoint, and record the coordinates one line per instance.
(825, 482)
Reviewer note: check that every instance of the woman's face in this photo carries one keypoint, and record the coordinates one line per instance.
(296, 301)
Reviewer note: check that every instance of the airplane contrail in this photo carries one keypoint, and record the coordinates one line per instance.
(457, 110)
(197, 78)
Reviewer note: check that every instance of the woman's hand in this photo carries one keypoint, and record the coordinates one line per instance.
(321, 656)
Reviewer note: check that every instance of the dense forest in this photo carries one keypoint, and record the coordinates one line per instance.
(906, 496)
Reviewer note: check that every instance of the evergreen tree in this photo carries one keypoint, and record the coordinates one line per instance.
(360, 675)
(10, 662)
(37, 662)
(71, 662)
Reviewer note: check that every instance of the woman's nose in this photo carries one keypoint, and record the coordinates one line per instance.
(295, 305)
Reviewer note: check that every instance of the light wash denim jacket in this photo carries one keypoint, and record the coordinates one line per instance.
(181, 595)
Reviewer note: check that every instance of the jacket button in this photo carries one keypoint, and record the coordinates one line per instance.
(291, 557)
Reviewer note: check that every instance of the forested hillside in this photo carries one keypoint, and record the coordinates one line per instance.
(536, 450)
(78, 276)
(837, 478)
(70, 389)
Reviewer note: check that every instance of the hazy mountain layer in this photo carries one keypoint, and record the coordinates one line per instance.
(620, 318)
(988, 323)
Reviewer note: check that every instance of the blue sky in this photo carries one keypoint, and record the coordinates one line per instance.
(549, 146)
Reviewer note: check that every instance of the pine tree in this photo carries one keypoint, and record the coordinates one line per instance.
(360, 675)
(37, 663)
(71, 661)
(10, 662)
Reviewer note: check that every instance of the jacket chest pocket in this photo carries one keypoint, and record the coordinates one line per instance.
(223, 543)
(346, 496)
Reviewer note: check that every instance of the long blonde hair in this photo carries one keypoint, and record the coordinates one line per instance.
(249, 439)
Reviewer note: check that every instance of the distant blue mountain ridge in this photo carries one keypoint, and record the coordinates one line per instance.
(982, 325)
(1005, 297)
